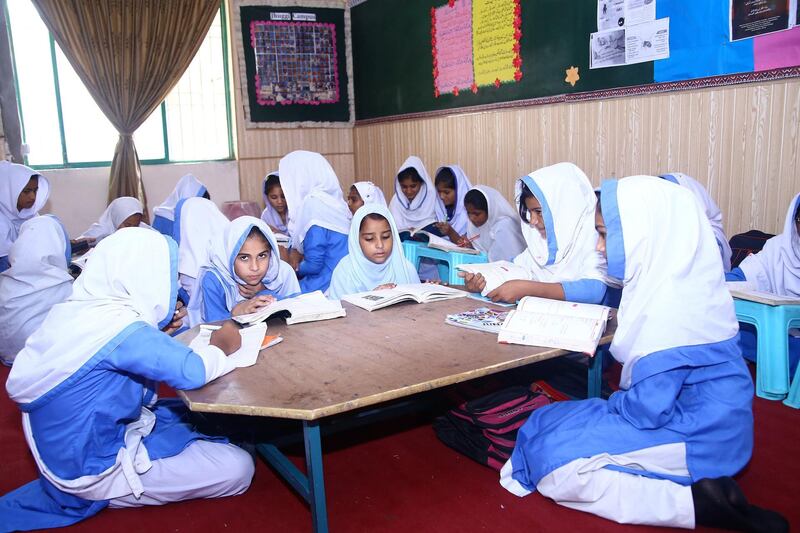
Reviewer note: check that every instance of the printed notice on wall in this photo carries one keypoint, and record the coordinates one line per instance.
(453, 48)
(628, 33)
(647, 42)
(613, 14)
(750, 18)
(493, 41)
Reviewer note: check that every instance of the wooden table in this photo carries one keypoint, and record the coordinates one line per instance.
(336, 366)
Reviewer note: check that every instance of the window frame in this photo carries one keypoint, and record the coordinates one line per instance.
(162, 107)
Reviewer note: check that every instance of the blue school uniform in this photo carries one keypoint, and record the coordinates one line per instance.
(323, 248)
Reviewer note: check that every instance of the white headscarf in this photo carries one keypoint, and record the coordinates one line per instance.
(14, 178)
(313, 196)
(776, 268)
(710, 208)
(37, 280)
(370, 193)
(660, 244)
(279, 278)
(422, 209)
(130, 278)
(198, 222)
(568, 204)
(114, 215)
(500, 237)
(463, 185)
(187, 187)
(269, 215)
(355, 273)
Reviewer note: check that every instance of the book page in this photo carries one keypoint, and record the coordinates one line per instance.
(247, 354)
(532, 304)
(539, 329)
(496, 273)
(313, 303)
(423, 291)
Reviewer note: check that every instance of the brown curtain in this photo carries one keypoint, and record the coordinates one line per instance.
(129, 54)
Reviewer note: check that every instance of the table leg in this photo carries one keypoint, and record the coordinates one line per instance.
(596, 373)
(316, 482)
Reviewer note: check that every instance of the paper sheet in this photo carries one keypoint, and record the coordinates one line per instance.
(247, 354)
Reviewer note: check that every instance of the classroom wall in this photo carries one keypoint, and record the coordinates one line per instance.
(741, 141)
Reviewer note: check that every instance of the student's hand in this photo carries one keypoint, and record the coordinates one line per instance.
(509, 292)
(89, 240)
(473, 282)
(227, 338)
(444, 227)
(463, 242)
(252, 305)
(385, 286)
(177, 319)
(295, 258)
(248, 292)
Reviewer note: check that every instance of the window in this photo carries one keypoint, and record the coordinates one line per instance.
(63, 127)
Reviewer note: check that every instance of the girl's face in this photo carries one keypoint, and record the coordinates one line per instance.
(446, 195)
(27, 197)
(354, 200)
(478, 217)
(252, 261)
(132, 221)
(277, 200)
(535, 215)
(375, 238)
(410, 188)
(600, 226)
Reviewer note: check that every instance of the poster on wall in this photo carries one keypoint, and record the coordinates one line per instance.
(750, 18)
(294, 63)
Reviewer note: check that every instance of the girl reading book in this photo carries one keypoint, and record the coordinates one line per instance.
(23, 192)
(123, 212)
(164, 215)
(86, 384)
(244, 273)
(319, 219)
(556, 205)
(493, 226)
(275, 213)
(414, 203)
(364, 192)
(37, 280)
(375, 259)
(660, 450)
(452, 185)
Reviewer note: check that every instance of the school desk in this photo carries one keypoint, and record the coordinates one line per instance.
(338, 366)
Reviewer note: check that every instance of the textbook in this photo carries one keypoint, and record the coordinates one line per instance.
(481, 319)
(555, 324)
(304, 308)
(419, 229)
(496, 273)
(746, 290)
(247, 354)
(416, 292)
(439, 243)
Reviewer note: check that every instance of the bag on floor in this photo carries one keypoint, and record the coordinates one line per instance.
(744, 244)
(485, 429)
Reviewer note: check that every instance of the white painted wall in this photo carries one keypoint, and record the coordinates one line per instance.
(78, 195)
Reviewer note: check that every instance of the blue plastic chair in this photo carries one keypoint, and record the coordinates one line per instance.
(415, 251)
(772, 323)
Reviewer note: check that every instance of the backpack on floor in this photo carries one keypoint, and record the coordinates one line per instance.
(744, 244)
(485, 429)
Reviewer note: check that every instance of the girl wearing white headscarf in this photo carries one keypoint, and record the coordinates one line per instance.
(124, 212)
(452, 185)
(357, 272)
(659, 450)
(197, 223)
(319, 219)
(556, 204)
(710, 208)
(23, 193)
(275, 213)
(220, 285)
(493, 225)
(86, 383)
(164, 215)
(37, 280)
(414, 201)
(364, 193)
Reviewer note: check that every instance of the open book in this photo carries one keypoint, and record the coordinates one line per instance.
(746, 290)
(443, 244)
(247, 354)
(496, 273)
(304, 308)
(555, 324)
(407, 233)
(416, 292)
(281, 238)
(481, 319)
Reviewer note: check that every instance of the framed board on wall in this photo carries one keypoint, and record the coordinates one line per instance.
(295, 63)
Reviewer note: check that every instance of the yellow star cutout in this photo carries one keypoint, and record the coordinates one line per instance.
(572, 76)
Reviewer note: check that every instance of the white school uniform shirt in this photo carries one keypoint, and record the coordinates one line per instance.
(776, 268)
(187, 187)
(279, 278)
(200, 223)
(568, 253)
(269, 215)
(662, 247)
(370, 193)
(114, 215)
(463, 185)
(422, 209)
(711, 210)
(313, 196)
(14, 178)
(355, 273)
(500, 237)
(36, 281)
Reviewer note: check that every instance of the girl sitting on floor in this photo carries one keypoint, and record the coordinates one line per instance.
(452, 185)
(124, 212)
(23, 193)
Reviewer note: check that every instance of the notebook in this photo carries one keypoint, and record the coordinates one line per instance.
(555, 324)
(247, 354)
(415, 292)
(481, 319)
(304, 308)
(496, 273)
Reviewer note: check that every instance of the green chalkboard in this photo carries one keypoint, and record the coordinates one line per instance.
(394, 73)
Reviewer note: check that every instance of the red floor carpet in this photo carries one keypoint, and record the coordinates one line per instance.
(388, 478)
